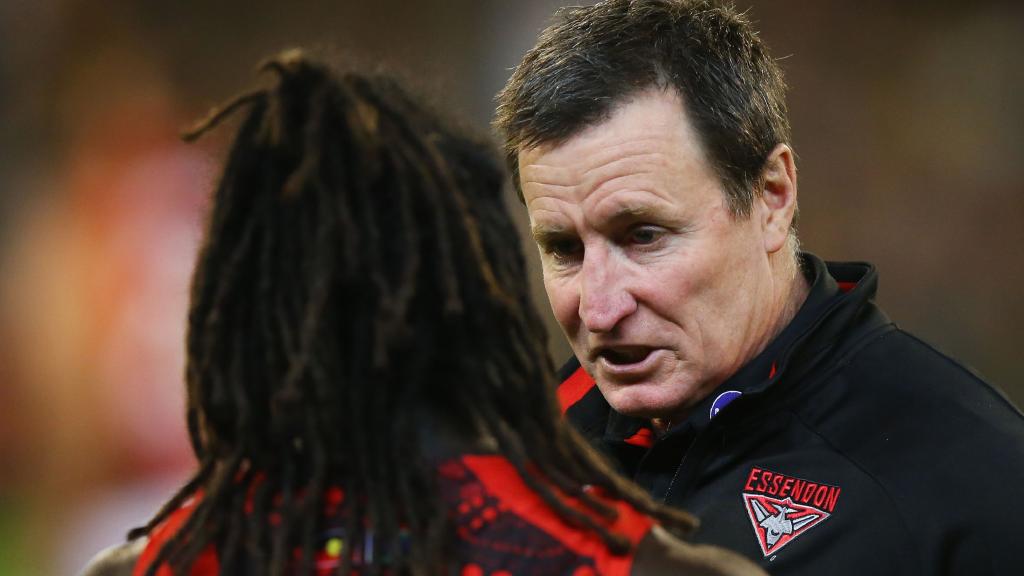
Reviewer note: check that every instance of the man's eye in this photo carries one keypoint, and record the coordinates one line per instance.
(564, 249)
(643, 235)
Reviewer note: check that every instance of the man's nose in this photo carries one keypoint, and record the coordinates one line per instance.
(604, 298)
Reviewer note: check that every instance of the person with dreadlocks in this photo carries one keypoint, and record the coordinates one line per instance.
(368, 391)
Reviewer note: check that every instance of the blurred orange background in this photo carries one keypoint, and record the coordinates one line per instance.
(907, 124)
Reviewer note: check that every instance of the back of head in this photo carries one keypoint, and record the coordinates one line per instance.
(595, 58)
(353, 233)
(358, 269)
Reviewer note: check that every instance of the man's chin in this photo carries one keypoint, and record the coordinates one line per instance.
(642, 404)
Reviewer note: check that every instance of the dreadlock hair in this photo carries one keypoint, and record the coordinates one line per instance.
(359, 268)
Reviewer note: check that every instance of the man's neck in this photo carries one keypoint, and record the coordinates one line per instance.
(799, 289)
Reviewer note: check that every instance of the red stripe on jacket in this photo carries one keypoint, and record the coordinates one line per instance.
(574, 388)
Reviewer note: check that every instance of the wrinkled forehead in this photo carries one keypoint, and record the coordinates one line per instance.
(643, 163)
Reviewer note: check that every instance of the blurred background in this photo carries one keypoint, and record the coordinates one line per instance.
(907, 122)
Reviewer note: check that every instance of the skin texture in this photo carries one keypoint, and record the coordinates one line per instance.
(662, 292)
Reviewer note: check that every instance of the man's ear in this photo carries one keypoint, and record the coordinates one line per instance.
(778, 197)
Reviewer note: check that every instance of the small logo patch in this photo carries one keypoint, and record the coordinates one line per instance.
(722, 401)
(782, 507)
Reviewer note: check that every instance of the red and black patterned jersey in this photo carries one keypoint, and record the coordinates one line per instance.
(502, 527)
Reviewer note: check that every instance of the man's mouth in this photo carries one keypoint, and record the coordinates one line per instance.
(623, 355)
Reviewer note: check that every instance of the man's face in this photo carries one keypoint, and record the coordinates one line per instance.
(662, 293)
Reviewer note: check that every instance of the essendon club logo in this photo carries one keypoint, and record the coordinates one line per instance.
(782, 507)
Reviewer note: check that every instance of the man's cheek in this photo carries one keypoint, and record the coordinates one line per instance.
(564, 304)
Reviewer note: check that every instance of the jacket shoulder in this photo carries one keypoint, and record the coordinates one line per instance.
(920, 431)
(898, 371)
(897, 402)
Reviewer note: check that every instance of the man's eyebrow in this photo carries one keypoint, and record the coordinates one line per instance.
(545, 233)
(631, 213)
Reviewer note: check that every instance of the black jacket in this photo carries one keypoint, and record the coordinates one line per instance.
(851, 448)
